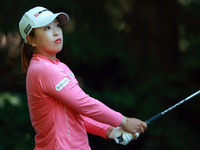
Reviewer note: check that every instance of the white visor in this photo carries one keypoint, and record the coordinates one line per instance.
(39, 17)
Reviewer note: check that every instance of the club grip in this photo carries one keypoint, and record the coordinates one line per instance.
(153, 118)
(120, 139)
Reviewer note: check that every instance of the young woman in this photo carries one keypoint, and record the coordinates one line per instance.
(61, 113)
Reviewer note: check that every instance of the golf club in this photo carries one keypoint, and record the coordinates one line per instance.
(165, 111)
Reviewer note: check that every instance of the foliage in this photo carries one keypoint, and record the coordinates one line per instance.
(138, 57)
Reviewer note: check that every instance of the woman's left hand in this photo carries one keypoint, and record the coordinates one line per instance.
(118, 131)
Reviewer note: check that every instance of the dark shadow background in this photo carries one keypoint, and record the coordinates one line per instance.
(138, 57)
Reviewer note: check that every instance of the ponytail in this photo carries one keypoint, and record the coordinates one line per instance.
(26, 55)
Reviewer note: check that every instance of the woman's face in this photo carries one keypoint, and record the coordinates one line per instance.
(48, 40)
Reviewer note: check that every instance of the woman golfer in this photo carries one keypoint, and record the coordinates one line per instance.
(61, 113)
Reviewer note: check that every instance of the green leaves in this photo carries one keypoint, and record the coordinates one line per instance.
(138, 57)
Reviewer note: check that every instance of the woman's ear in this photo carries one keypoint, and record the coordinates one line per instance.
(31, 40)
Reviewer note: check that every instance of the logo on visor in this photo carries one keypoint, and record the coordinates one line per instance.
(37, 14)
(26, 30)
(62, 84)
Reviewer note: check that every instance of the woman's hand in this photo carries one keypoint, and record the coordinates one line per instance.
(134, 126)
(114, 133)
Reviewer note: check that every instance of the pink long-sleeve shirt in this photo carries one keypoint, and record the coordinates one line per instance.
(61, 113)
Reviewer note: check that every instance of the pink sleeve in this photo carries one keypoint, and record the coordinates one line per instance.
(60, 85)
(95, 127)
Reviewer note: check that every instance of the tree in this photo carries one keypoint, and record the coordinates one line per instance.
(138, 57)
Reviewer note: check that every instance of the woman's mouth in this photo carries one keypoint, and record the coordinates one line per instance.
(58, 40)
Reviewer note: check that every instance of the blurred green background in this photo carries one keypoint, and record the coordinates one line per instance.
(139, 57)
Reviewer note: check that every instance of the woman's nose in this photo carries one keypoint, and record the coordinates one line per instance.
(55, 32)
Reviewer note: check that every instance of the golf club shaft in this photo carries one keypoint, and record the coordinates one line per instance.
(170, 108)
(162, 113)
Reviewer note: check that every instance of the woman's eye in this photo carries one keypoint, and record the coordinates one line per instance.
(58, 25)
(47, 28)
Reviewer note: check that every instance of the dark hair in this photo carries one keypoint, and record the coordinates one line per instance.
(26, 54)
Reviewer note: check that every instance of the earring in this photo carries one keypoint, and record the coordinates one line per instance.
(33, 45)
